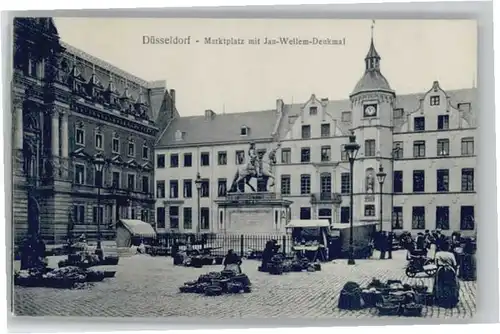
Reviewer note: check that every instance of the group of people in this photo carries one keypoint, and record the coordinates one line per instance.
(383, 242)
(33, 252)
(454, 258)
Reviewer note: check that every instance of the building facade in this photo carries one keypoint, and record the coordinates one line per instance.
(70, 108)
(424, 142)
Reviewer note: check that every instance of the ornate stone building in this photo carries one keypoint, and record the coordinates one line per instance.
(424, 142)
(69, 108)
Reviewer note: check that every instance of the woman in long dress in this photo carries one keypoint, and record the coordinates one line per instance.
(446, 286)
(468, 264)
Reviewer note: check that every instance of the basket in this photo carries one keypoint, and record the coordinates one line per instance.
(95, 276)
(109, 274)
(187, 289)
(227, 273)
(388, 309)
(234, 287)
(219, 260)
(392, 299)
(412, 310)
(317, 267)
(370, 298)
(201, 287)
(213, 291)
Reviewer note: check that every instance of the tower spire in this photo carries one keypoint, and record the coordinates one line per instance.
(373, 26)
(372, 59)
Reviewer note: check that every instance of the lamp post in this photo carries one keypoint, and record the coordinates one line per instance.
(351, 150)
(394, 156)
(381, 178)
(197, 182)
(99, 166)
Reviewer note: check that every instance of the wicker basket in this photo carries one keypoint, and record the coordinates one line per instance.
(388, 309)
(412, 310)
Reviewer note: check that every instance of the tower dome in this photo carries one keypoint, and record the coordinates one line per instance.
(372, 79)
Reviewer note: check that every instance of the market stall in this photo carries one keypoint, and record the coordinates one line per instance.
(310, 238)
(130, 232)
(339, 235)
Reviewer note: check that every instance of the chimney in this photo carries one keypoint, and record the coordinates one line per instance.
(209, 114)
(279, 106)
(172, 96)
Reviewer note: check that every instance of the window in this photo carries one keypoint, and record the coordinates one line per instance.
(398, 181)
(326, 153)
(419, 124)
(240, 157)
(222, 158)
(443, 147)
(346, 116)
(398, 113)
(443, 217)
(305, 154)
(131, 149)
(243, 131)
(325, 180)
(419, 149)
(443, 180)
(344, 214)
(160, 189)
(205, 218)
(434, 100)
(97, 215)
(305, 213)
(205, 159)
(343, 154)
(397, 150)
(98, 181)
(173, 213)
(345, 183)
(418, 181)
(174, 189)
(369, 210)
(174, 160)
(131, 182)
(188, 159)
(397, 218)
(116, 180)
(79, 174)
(188, 218)
(418, 218)
(145, 152)
(221, 187)
(305, 184)
(98, 141)
(467, 146)
(145, 184)
(160, 160)
(467, 179)
(325, 130)
(160, 217)
(467, 220)
(306, 131)
(369, 148)
(443, 122)
(205, 188)
(313, 110)
(286, 156)
(80, 137)
(285, 184)
(79, 214)
(187, 187)
(116, 145)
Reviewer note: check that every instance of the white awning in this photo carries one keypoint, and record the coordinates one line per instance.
(308, 223)
(341, 226)
(139, 228)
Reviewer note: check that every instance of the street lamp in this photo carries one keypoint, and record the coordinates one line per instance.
(381, 178)
(198, 182)
(99, 163)
(351, 150)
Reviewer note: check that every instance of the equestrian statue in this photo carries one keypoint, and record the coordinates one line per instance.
(257, 167)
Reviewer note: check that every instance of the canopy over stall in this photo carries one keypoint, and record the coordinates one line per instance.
(310, 236)
(129, 230)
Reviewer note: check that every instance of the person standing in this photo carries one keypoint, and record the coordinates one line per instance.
(383, 244)
(446, 286)
(232, 262)
(390, 240)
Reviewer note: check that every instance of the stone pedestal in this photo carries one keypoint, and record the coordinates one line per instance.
(253, 213)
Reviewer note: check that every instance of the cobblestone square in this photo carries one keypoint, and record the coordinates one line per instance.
(148, 287)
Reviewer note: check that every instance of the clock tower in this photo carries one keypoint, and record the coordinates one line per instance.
(372, 103)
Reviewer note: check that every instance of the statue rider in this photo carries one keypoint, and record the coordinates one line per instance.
(254, 159)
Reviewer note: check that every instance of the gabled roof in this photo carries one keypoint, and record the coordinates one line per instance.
(220, 128)
(80, 153)
(117, 159)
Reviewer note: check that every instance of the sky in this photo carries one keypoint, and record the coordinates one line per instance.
(240, 78)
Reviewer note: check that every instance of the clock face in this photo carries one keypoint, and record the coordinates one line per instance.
(370, 110)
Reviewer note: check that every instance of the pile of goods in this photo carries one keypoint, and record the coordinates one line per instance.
(87, 261)
(218, 283)
(65, 278)
(391, 298)
(279, 265)
(196, 260)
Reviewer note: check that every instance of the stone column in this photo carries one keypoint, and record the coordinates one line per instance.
(113, 213)
(55, 134)
(18, 124)
(64, 135)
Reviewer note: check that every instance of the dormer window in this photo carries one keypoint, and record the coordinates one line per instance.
(244, 131)
(313, 111)
(398, 113)
(434, 100)
(179, 135)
